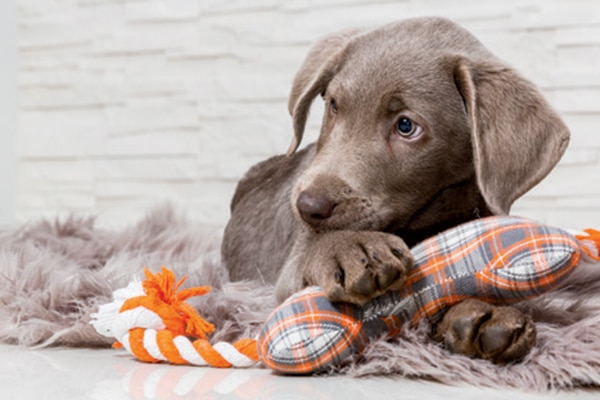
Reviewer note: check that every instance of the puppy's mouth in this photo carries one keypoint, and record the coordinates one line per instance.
(349, 213)
(325, 202)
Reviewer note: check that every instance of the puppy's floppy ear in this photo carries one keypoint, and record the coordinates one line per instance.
(517, 137)
(319, 67)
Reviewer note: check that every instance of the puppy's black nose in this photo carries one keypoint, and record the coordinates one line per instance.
(314, 207)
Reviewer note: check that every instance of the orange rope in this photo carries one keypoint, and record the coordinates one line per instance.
(136, 343)
(161, 296)
(164, 297)
(592, 235)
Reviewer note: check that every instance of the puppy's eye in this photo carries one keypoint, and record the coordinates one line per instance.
(406, 128)
(333, 106)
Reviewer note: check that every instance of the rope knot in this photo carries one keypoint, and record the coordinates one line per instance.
(164, 297)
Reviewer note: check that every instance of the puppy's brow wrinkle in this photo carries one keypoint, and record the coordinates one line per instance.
(395, 104)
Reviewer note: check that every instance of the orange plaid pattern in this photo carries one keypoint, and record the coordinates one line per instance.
(496, 259)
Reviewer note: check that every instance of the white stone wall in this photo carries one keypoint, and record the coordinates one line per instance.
(8, 113)
(126, 103)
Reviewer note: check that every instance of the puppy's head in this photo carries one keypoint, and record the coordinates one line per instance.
(422, 127)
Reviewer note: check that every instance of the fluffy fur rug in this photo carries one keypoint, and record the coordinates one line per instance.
(53, 275)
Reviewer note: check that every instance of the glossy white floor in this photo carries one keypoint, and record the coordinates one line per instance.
(64, 374)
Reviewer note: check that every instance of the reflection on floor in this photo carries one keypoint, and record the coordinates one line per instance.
(62, 374)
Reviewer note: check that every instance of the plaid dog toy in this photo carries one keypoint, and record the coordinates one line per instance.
(500, 260)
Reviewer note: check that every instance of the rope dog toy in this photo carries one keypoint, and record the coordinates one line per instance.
(500, 260)
(152, 321)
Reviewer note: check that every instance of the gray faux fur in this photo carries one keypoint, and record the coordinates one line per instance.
(55, 274)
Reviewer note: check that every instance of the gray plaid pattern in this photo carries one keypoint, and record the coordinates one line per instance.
(497, 259)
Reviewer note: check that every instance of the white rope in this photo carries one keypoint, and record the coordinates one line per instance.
(109, 321)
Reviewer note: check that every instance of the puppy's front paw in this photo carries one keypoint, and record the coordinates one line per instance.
(477, 329)
(357, 266)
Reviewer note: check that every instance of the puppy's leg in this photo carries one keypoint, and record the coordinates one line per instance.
(355, 266)
(477, 329)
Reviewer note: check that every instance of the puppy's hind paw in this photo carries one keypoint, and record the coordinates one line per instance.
(477, 329)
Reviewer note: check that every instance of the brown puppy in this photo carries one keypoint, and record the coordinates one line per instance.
(423, 129)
